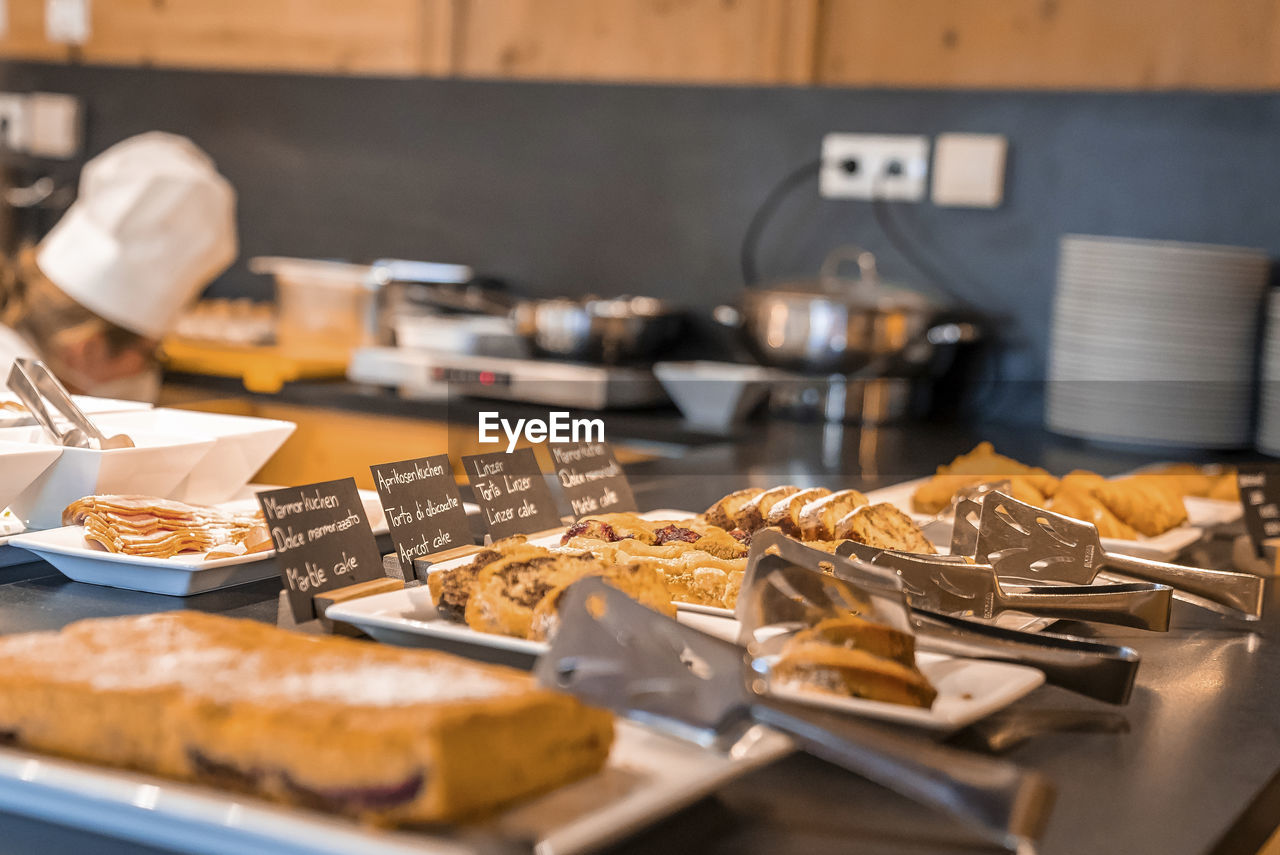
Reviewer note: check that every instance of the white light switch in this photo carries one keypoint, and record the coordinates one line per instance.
(67, 21)
(968, 170)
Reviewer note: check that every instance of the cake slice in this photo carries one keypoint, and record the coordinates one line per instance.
(640, 581)
(884, 527)
(858, 633)
(724, 512)
(851, 673)
(785, 515)
(818, 518)
(382, 734)
(753, 515)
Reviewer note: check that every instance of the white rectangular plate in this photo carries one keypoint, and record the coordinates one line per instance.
(1164, 547)
(409, 618)
(180, 576)
(647, 777)
(968, 689)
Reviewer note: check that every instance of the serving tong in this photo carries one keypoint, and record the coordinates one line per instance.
(1023, 542)
(788, 586)
(38, 389)
(615, 653)
(952, 585)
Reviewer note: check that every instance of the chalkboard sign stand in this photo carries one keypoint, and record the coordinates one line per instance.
(1245, 558)
(322, 625)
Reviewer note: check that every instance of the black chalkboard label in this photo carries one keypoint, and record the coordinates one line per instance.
(423, 508)
(592, 478)
(513, 496)
(322, 539)
(1260, 496)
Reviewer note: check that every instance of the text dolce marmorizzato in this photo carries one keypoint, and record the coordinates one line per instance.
(558, 427)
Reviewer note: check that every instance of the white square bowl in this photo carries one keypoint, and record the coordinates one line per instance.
(241, 446)
(154, 468)
(20, 464)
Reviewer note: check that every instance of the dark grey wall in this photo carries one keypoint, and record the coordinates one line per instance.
(645, 189)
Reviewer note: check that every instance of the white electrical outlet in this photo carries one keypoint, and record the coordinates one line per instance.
(879, 166)
(13, 122)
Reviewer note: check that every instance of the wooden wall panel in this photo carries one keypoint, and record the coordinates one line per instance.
(24, 33)
(340, 36)
(737, 41)
(1073, 44)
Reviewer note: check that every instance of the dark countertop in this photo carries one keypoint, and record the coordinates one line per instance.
(1195, 770)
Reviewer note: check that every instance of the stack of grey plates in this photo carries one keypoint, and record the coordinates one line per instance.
(1269, 392)
(1154, 342)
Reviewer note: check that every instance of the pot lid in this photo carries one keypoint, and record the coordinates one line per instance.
(866, 290)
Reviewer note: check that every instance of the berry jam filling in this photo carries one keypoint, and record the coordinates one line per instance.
(672, 533)
(358, 798)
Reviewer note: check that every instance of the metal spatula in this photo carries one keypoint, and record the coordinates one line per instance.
(791, 586)
(1025, 542)
(958, 588)
(615, 653)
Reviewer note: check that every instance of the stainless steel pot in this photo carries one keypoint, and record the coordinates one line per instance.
(625, 329)
(839, 325)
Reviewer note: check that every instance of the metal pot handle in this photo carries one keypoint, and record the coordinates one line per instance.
(829, 273)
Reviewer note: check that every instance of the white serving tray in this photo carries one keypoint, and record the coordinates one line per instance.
(647, 777)
(180, 576)
(409, 619)
(968, 689)
(1164, 547)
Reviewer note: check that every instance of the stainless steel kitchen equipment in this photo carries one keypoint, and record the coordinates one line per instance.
(792, 588)
(613, 331)
(1022, 541)
(613, 652)
(841, 325)
(953, 586)
(431, 375)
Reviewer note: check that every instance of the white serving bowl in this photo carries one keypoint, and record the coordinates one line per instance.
(157, 466)
(20, 464)
(241, 446)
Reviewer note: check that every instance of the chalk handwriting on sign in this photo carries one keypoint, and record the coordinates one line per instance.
(424, 510)
(1260, 497)
(322, 540)
(513, 496)
(591, 477)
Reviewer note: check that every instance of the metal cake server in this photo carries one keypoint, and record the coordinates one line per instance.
(1022, 541)
(962, 589)
(790, 586)
(611, 651)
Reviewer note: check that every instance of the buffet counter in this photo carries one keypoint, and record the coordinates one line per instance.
(1191, 765)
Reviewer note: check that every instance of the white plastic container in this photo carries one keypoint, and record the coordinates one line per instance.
(155, 467)
(323, 306)
(242, 445)
(20, 464)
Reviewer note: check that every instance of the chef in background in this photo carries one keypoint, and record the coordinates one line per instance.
(152, 225)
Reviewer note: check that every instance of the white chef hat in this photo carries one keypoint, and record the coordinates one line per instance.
(153, 224)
